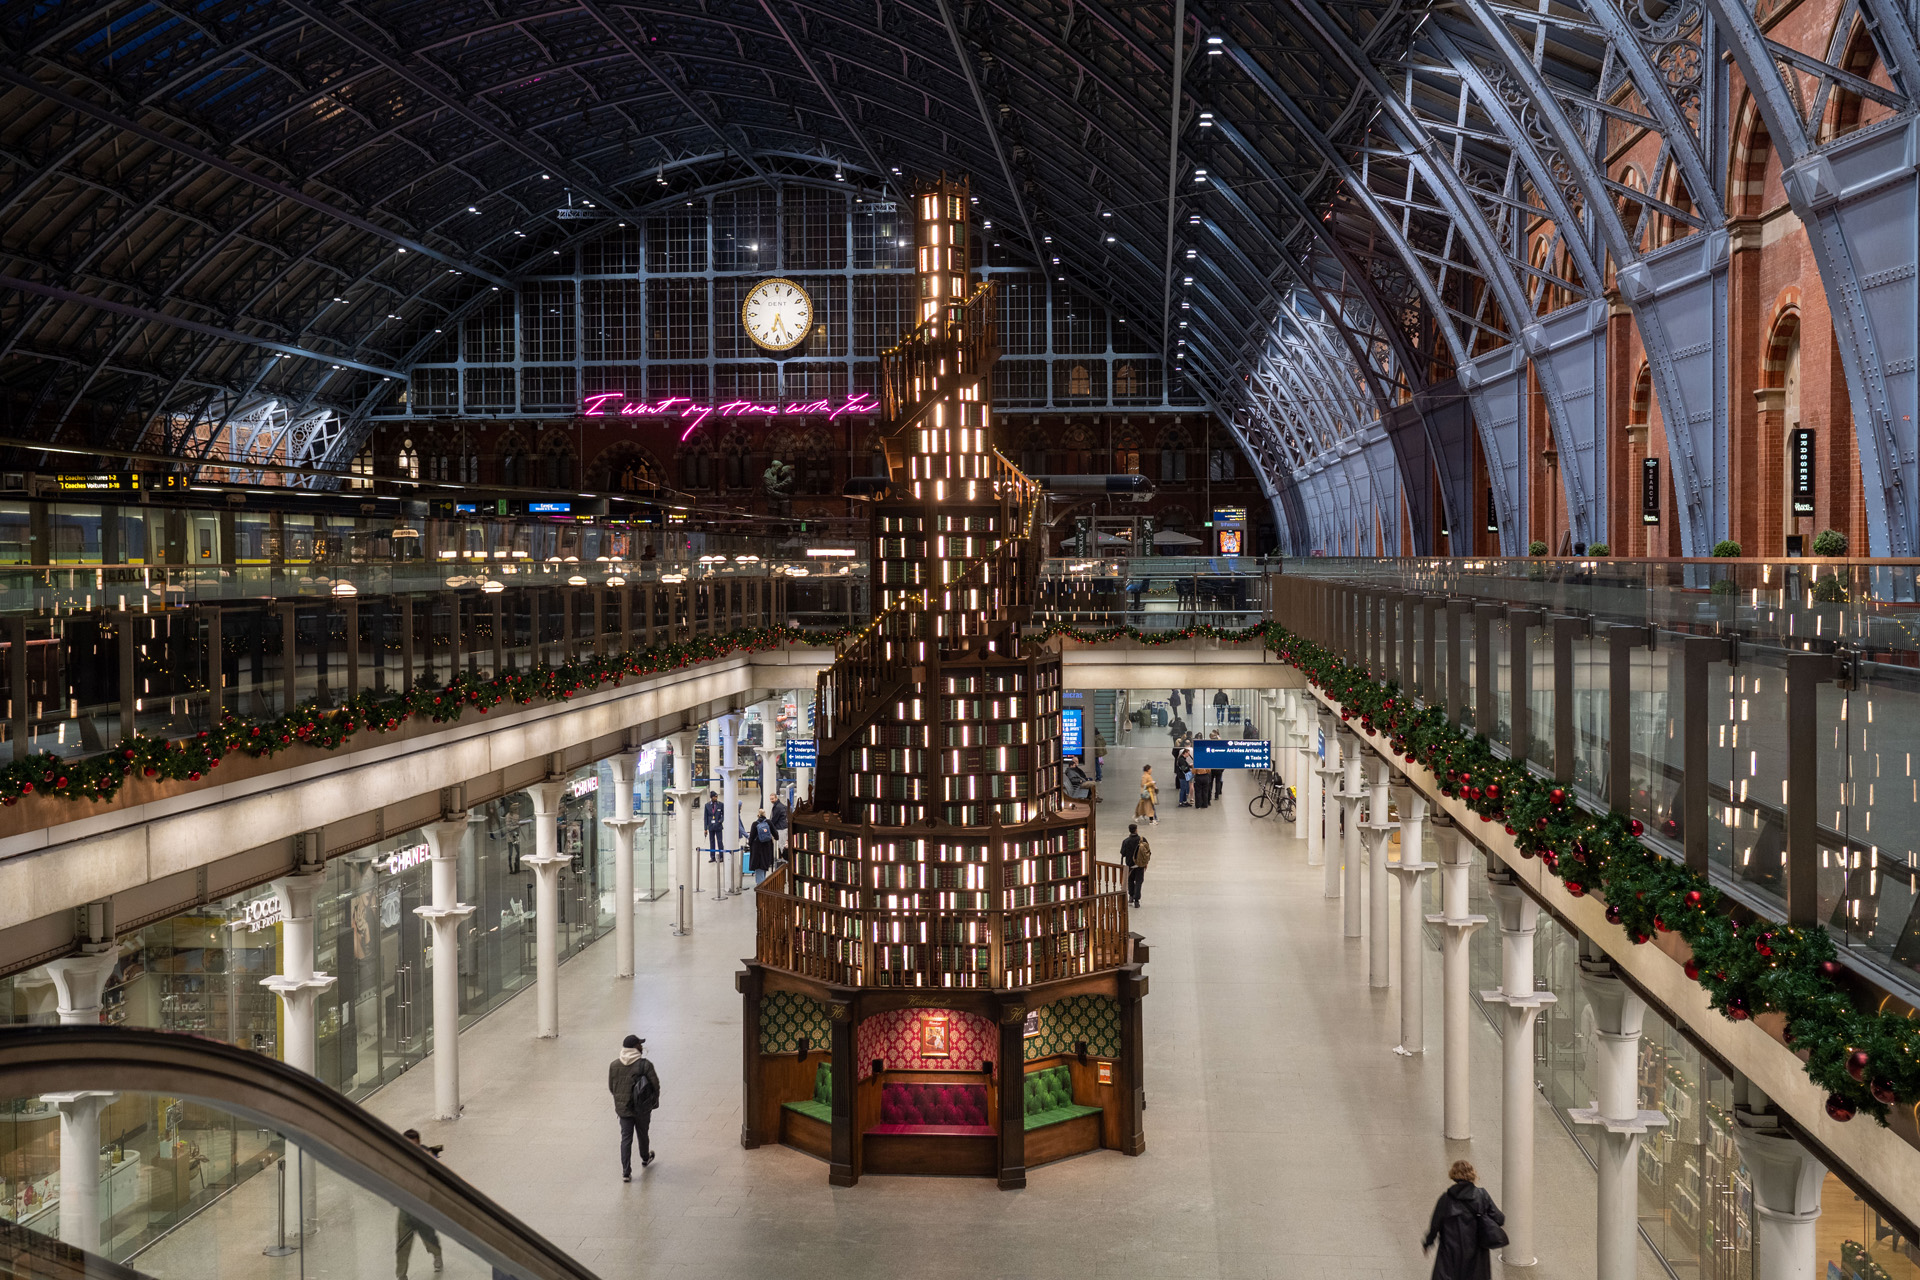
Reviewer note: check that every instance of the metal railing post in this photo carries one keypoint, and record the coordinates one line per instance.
(1565, 629)
(1806, 672)
(1520, 673)
(1485, 706)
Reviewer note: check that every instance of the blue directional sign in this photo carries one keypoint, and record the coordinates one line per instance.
(1070, 719)
(1232, 753)
(802, 753)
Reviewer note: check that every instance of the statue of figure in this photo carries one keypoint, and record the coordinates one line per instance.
(779, 479)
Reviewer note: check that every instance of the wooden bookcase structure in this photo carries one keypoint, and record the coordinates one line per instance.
(938, 852)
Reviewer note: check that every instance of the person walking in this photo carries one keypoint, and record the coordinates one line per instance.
(1149, 795)
(1466, 1224)
(1136, 853)
(781, 817)
(1099, 755)
(1219, 775)
(1188, 695)
(409, 1226)
(1183, 776)
(1202, 786)
(635, 1087)
(715, 819)
(1220, 701)
(760, 840)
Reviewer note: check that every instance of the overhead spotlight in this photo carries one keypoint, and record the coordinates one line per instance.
(1186, 280)
(1199, 175)
(546, 177)
(471, 209)
(1193, 253)
(1206, 119)
(1109, 239)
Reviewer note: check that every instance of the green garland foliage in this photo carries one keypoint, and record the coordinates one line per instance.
(100, 777)
(1865, 1060)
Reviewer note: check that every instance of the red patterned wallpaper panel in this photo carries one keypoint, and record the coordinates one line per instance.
(894, 1038)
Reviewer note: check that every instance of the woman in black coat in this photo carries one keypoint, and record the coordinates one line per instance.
(1456, 1225)
(760, 841)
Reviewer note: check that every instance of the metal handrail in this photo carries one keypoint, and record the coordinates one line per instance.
(341, 1134)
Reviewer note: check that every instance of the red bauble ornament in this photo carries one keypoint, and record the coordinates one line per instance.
(1541, 823)
(1613, 914)
(1661, 925)
(1737, 1008)
(1839, 1108)
(1857, 1064)
(1512, 832)
(1693, 897)
(1577, 889)
(1692, 970)
(1525, 852)
(1556, 796)
(1830, 969)
(1635, 826)
(1639, 939)
(1493, 791)
(1882, 1091)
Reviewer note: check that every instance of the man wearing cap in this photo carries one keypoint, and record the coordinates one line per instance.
(716, 823)
(635, 1087)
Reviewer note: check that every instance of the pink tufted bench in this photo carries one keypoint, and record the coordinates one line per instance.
(949, 1110)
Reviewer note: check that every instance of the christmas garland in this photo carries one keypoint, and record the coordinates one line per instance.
(1866, 1061)
(100, 777)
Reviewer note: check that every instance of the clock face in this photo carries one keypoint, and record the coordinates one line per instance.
(777, 314)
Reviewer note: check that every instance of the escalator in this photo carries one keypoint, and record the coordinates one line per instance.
(212, 1161)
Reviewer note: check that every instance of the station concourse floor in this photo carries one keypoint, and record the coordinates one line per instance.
(1285, 1138)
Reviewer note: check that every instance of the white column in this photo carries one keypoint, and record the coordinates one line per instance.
(1617, 1014)
(80, 1165)
(443, 916)
(1330, 775)
(680, 854)
(1457, 925)
(1520, 1005)
(1411, 871)
(1352, 795)
(1376, 833)
(1786, 1193)
(622, 825)
(728, 727)
(297, 984)
(1300, 732)
(78, 983)
(1315, 774)
(545, 864)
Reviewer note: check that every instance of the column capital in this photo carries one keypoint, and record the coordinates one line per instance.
(444, 837)
(546, 797)
(79, 1100)
(445, 915)
(622, 766)
(624, 824)
(1617, 1008)
(297, 893)
(79, 980)
(1411, 871)
(1786, 1177)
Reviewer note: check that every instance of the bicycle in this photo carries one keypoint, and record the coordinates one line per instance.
(1274, 794)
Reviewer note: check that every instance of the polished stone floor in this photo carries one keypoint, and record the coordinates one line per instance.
(1285, 1138)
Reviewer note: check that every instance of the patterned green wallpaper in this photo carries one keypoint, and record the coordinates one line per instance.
(785, 1016)
(1095, 1019)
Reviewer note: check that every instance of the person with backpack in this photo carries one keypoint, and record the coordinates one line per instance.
(1183, 775)
(1220, 701)
(1467, 1225)
(1136, 853)
(635, 1087)
(760, 840)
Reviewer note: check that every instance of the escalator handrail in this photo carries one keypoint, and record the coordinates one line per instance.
(343, 1135)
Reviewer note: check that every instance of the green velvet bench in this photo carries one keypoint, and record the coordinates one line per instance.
(1056, 1125)
(808, 1124)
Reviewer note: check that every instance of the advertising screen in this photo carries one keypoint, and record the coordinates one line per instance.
(1070, 720)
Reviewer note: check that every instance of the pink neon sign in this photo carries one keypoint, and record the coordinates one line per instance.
(608, 404)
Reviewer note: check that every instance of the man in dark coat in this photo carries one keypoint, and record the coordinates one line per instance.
(634, 1106)
(1130, 854)
(1456, 1226)
(716, 824)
